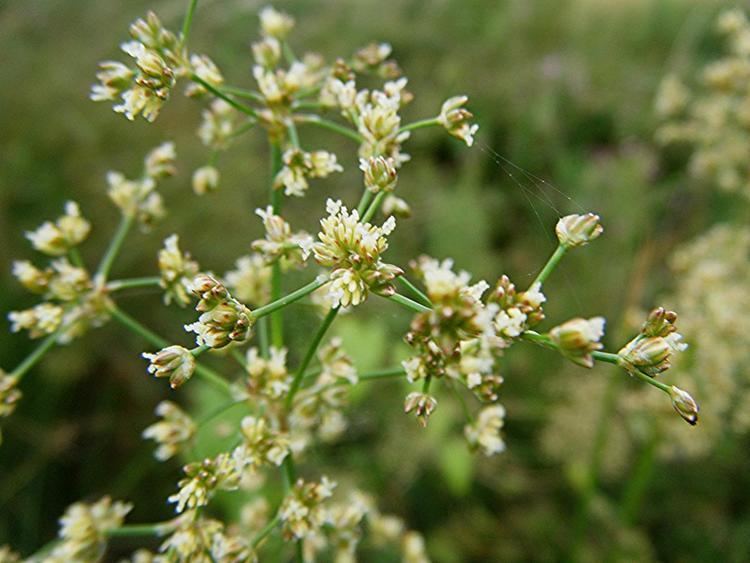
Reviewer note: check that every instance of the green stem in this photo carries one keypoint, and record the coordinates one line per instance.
(219, 94)
(277, 320)
(188, 21)
(218, 411)
(426, 384)
(418, 293)
(308, 357)
(267, 529)
(114, 247)
(291, 129)
(289, 55)
(551, 264)
(133, 282)
(290, 298)
(330, 125)
(364, 202)
(136, 530)
(374, 206)
(639, 479)
(383, 374)
(38, 353)
(75, 258)
(430, 122)
(263, 342)
(209, 375)
(242, 93)
(413, 305)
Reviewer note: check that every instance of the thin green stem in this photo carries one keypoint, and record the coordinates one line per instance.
(187, 23)
(75, 258)
(430, 122)
(289, 298)
(244, 128)
(277, 320)
(364, 202)
(551, 264)
(242, 93)
(137, 530)
(31, 360)
(418, 293)
(263, 342)
(291, 129)
(114, 247)
(267, 529)
(426, 384)
(374, 206)
(383, 374)
(413, 305)
(299, 374)
(218, 411)
(219, 94)
(289, 55)
(330, 125)
(116, 285)
(640, 478)
(209, 375)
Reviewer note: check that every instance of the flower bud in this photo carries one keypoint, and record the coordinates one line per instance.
(9, 395)
(578, 230)
(650, 355)
(455, 118)
(660, 322)
(174, 362)
(380, 173)
(226, 322)
(159, 162)
(209, 291)
(423, 406)
(267, 52)
(274, 23)
(205, 179)
(577, 338)
(396, 207)
(684, 404)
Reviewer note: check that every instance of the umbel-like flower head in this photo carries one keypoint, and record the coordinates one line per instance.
(577, 338)
(174, 362)
(353, 249)
(455, 118)
(177, 271)
(173, 433)
(578, 230)
(484, 432)
(650, 352)
(204, 478)
(302, 511)
(56, 239)
(224, 319)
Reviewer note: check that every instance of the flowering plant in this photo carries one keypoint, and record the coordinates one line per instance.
(458, 333)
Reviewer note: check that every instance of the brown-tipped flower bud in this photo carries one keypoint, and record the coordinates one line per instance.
(455, 118)
(650, 355)
(684, 404)
(577, 338)
(209, 291)
(380, 173)
(422, 404)
(174, 362)
(578, 230)
(226, 322)
(660, 322)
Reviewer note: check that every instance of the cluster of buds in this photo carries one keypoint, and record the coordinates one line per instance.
(422, 404)
(300, 165)
(67, 232)
(175, 362)
(177, 272)
(138, 199)
(205, 69)
(218, 125)
(262, 445)
(650, 352)
(577, 338)
(275, 24)
(353, 249)
(173, 433)
(373, 59)
(202, 540)
(203, 478)
(280, 243)
(455, 118)
(380, 173)
(142, 88)
(223, 319)
(205, 179)
(83, 529)
(267, 377)
(518, 311)
(9, 396)
(484, 432)
(578, 230)
(250, 281)
(302, 511)
(455, 338)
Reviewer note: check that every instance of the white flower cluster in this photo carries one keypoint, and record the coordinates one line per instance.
(177, 272)
(300, 165)
(267, 377)
(302, 511)
(250, 281)
(173, 433)
(353, 249)
(58, 238)
(280, 243)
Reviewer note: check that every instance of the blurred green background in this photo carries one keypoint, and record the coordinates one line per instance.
(563, 90)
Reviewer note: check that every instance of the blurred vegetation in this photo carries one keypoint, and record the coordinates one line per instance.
(563, 90)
